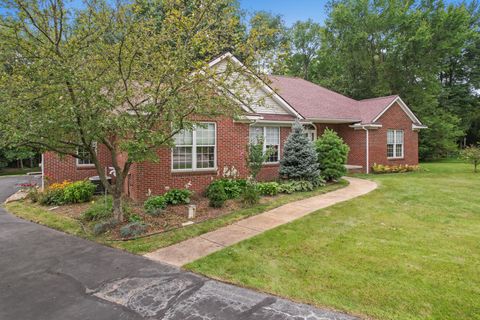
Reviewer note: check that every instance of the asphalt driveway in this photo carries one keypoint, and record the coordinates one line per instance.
(45, 274)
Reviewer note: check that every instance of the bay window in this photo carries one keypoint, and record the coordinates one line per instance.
(195, 149)
(271, 141)
(395, 144)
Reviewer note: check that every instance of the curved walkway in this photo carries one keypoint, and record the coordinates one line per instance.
(198, 247)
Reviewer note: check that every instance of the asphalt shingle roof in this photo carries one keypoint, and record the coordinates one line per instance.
(316, 102)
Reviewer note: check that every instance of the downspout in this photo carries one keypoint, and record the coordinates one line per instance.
(367, 160)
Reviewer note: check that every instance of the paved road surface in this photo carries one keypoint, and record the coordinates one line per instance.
(45, 274)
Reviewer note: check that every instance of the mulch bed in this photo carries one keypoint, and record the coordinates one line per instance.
(172, 218)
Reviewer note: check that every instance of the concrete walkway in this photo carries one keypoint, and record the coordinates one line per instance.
(196, 248)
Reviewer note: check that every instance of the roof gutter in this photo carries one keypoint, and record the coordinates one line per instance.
(360, 126)
(330, 120)
(418, 127)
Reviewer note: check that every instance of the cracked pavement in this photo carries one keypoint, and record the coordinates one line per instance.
(46, 274)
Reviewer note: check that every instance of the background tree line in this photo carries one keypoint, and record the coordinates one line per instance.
(425, 51)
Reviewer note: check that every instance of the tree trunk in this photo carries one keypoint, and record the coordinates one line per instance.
(117, 195)
(117, 206)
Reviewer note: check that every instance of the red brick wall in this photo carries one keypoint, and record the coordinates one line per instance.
(396, 119)
(393, 118)
(58, 169)
(354, 138)
(232, 139)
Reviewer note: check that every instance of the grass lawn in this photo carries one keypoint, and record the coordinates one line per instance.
(408, 250)
(39, 215)
(18, 171)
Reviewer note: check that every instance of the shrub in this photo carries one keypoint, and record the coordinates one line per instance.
(332, 155)
(155, 205)
(299, 160)
(54, 194)
(287, 187)
(216, 194)
(319, 182)
(104, 226)
(178, 196)
(250, 194)
(232, 187)
(302, 185)
(268, 188)
(99, 210)
(79, 191)
(256, 157)
(380, 168)
(472, 155)
(133, 229)
(33, 195)
(51, 197)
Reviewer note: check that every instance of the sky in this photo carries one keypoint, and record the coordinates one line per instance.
(291, 10)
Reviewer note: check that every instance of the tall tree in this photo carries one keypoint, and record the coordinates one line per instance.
(305, 41)
(268, 41)
(119, 76)
(383, 47)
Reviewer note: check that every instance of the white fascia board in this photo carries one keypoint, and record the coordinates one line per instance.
(358, 126)
(405, 109)
(221, 58)
(270, 123)
(247, 119)
(276, 122)
(418, 127)
(265, 87)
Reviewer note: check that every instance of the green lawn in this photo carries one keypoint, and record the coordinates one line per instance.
(408, 250)
(18, 171)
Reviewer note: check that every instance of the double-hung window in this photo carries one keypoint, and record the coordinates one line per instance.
(84, 156)
(195, 149)
(395, 144)
(271, 141)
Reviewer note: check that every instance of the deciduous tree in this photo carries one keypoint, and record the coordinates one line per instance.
(128, 76)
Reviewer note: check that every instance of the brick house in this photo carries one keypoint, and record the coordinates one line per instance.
(381, 130)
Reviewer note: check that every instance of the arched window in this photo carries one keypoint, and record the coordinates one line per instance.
(310, 131)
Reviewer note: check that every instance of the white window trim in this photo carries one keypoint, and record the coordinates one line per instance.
(395, 144)
(194, 153)
(87, 165)
(264, 128)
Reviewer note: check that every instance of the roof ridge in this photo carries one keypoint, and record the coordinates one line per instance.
(377, 98)
(284, 76)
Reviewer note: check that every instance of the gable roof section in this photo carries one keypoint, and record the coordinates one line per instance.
(262, 86)
(315, 102)
(402, 104)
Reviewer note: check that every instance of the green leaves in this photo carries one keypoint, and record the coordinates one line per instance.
(332, 155)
